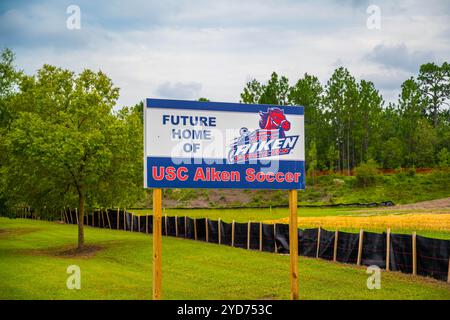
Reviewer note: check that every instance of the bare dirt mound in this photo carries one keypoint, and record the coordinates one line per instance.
(432, 204)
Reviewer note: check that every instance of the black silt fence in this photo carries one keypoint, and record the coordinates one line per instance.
(116, 219)
(181, 227)
(101, 219)
(307, 242)
(433, 257)
(112, 215)
(225, 233)
(374, 249)
(240, 235)
(190, 228)
(268, 239)
(95, 219)
(127, 221)
(282, 238)
(171, 228)
(254, 235)
(201, 229)
(135, 223)
(71, 216)
(347, 247)
(326, 244)
(142, 222)
(150, 224)
(401, 253)
(213, 231)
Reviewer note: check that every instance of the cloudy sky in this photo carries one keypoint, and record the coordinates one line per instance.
(188, 49)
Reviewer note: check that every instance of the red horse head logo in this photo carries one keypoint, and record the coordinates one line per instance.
(274, 118)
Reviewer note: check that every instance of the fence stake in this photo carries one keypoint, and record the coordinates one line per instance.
(165, 223)
(118, 218)
(232, 234)
(360, 246)
(185, 228)
(107, 217)
(206, 230)
(248, 235)
(132, 222)
(260, 236)
(176, 226)
(275, 237)
(318, 242)
(195, 228)
(157, 244)
(388, 248)
(93, 217)
(124, 219)
(139, 223)
(293, 244)
(448, 273)
(336, 233)
(219, 231)
(414, 253)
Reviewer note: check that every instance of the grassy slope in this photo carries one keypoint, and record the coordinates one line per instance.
(399, 188)
(29, 269)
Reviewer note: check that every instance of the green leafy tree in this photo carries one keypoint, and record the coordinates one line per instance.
(411, 111)
(444, 158)
(312, 161)
(434, 84)
(69, 143)
(341, 102)
(274, 92)
(307, 92)
(392, 153)
(366, 173)
(424, 138)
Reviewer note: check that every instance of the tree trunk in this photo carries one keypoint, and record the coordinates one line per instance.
(81, 221)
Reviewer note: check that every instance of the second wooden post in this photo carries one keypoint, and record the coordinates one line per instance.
(293, 244)
(157, 244)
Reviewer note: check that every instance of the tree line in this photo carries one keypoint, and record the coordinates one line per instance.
(348, 123)
(64, 142)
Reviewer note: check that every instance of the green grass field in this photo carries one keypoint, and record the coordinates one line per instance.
(33, 266)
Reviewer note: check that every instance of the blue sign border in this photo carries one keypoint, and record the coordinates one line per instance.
(218, 106)
(283, 165)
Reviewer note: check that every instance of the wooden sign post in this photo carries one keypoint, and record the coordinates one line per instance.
(157, 244)
(293, 243)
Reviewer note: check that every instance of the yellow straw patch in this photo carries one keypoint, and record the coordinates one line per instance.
(436, 222)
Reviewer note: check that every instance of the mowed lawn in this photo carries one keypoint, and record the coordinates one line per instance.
(34, 258)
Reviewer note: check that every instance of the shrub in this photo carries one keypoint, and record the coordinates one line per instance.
(366, 173)
(444, 158)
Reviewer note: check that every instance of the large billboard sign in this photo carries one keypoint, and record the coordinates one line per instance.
(192, 144)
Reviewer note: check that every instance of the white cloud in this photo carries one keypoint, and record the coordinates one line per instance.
(184, 49)
(180, 90)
